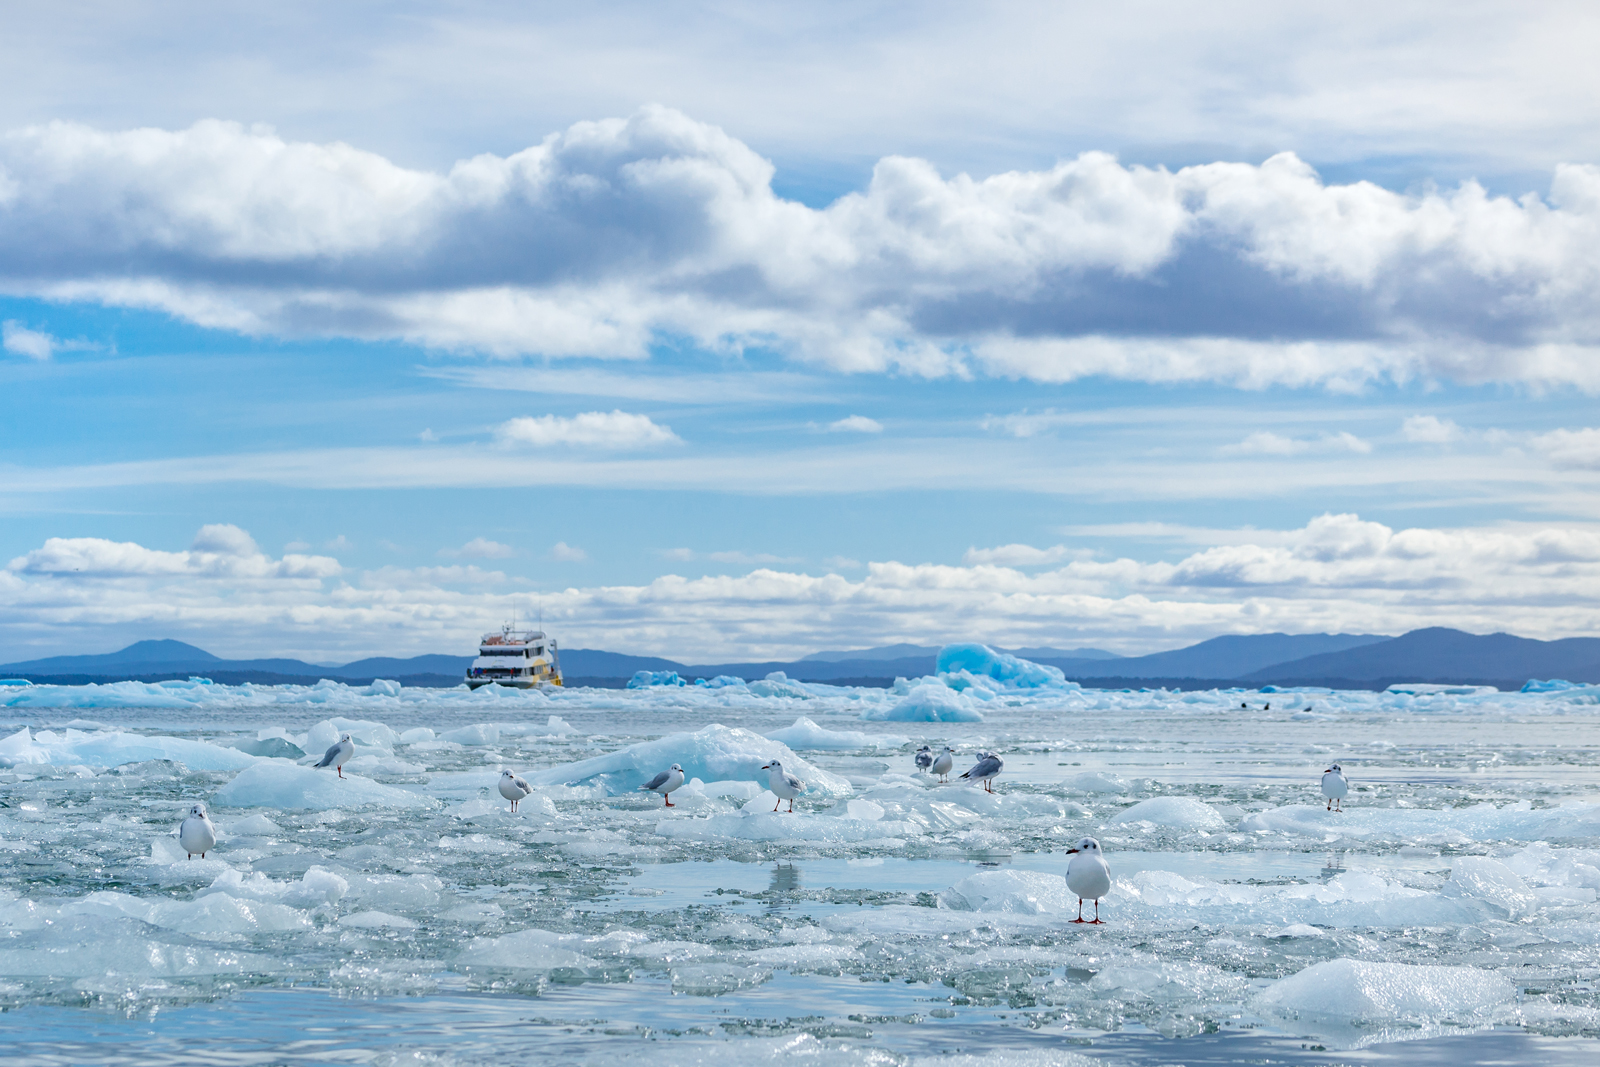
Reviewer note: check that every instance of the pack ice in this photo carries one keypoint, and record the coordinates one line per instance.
(1459, 889)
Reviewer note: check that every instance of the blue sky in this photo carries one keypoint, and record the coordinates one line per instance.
(1041, 327)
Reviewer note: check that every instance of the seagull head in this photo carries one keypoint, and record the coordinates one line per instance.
(507, 774)
(198, 809)
(677, 768)
(773, 766)
(1087, 844)
(1335, 769)
(346, 737)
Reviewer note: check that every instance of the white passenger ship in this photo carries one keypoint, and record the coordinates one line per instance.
(521, 658)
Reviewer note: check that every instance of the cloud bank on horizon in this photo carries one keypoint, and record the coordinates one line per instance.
(1338, 573)
(612, 235)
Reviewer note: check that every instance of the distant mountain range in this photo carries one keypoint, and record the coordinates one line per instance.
(1370, 661)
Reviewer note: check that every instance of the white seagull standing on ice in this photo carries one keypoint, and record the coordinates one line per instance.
(985, 769)
(784, 785)
(943, 763)
(514, 787)
(665, 783)
(924, 758)
(1088, 876)
(337, 756)
(197, 834)
(1335, 787)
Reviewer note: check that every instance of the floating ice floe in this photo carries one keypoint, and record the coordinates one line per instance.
(927, 701)
(1012, 891)
(102, 749)
(806, 735)
(1481, 822)
(1184, 813)
(1008, 671)
(289, 787)
(649, 679)
(1359, 1002)
(715, 753)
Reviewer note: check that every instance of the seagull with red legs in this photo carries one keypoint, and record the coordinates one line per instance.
(1088, 876)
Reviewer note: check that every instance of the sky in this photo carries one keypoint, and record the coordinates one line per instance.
(730, 331)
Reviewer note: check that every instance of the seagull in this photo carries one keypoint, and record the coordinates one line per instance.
(665, 782)
(197, 834)
(784, 785)
(337, 756)
(514, 787)
(1088, 876)
(924, 758)
(985, 769)
(1335, 786)
(943, 763)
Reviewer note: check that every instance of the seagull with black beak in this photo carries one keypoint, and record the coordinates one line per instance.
(514, 787)
(985, 770)
(197, 834)
(1088, 876)
(784, 785)
(665, 782)
(1335, 786)
(339, 754)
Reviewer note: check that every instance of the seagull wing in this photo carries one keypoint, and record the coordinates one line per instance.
(522, 784)
(329, 756)
(658, 781)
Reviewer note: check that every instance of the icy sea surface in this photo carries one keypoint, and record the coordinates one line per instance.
(405, 915)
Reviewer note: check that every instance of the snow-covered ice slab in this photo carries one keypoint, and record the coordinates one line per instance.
(1360, 1002)
(806, 735)
(289, 787)
(1481, 822)
(715, 753)
(99, 749)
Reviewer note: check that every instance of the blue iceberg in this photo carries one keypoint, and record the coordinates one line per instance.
(650, 679)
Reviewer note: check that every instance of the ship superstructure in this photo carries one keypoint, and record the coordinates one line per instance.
(521, 658)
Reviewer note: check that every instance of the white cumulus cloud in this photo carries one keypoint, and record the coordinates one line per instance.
(611, 234)
(1015, 555)
(592, 429)
(1267, 443)
(562, 552)
(1338, 572)
(1430, 429)
(480, 548)
(856, 424)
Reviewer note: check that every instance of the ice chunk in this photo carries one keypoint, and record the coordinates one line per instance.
(376, 920)
(808, 736)
(1098, 782)
(777, 684)
(1494, 883)
(721, 681)
(1184, 813)
(416, 734)
(1368, 994)
(714, 979)
(1022, 892)
(362, 731)
(483, 733)
(716, 753)
(560, 727)
(1009, 671)
(928, 701)
(271, 748)
(276, 784)
(648, 679)
(114, 749)
(254, 826)
(383, 687)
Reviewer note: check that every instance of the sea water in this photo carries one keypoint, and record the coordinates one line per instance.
(405, 915)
